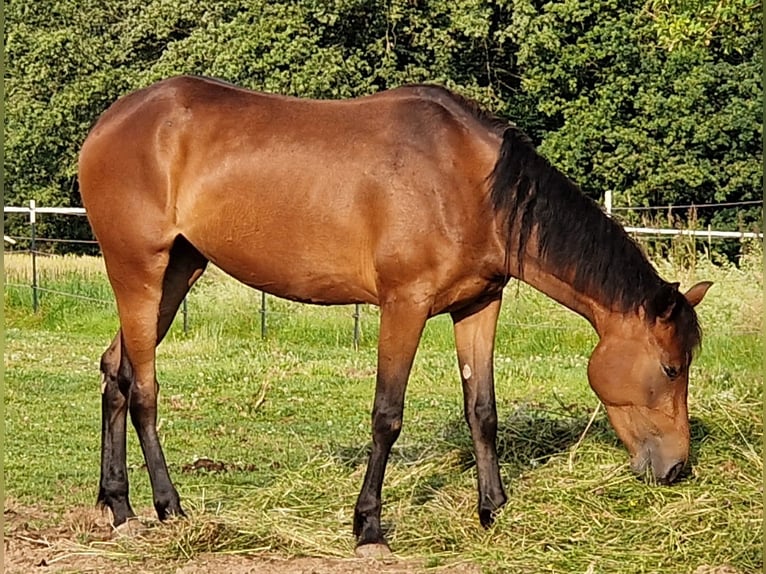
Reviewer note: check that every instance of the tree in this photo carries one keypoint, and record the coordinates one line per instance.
(658, 101)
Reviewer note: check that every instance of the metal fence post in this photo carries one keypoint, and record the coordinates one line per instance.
(32, 250)
(357, 329)
(263, 314)
(185, 311)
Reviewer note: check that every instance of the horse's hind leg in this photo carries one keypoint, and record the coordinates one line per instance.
(113, 486)
(185, 264)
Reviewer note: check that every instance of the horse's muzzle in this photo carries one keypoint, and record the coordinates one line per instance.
(672, 474)
(664, 473)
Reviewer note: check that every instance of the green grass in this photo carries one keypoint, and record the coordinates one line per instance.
(289, 417)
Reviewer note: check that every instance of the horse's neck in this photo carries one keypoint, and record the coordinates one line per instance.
(562, 291)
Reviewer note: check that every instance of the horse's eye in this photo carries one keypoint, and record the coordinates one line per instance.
(671, 372)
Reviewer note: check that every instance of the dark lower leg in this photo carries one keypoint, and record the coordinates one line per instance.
(481, 415)
(113, 485)
(166, 499)
(386, 429)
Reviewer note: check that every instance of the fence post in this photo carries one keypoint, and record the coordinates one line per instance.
(263, 314)
(357, 330)
(185, 311)
(33, 249)
(608, 201)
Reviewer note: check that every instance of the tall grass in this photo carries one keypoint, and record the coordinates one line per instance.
(286, 418)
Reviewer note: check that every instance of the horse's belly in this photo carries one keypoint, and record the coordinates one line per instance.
(338, 286)
(287, 264)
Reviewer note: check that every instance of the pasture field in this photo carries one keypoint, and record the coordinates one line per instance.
(267, 439)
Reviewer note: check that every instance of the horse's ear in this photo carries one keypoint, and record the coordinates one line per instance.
(696, 293)
(662, 305)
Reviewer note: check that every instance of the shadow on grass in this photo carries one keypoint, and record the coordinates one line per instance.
(699, 432)
(527, 437)
(532, 433)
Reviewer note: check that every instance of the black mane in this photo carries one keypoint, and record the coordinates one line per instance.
(576, 241)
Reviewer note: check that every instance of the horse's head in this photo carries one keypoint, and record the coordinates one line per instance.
(640, 371)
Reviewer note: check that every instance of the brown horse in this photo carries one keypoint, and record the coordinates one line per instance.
(413, 200)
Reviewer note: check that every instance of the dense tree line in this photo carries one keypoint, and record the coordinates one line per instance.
(656, 100)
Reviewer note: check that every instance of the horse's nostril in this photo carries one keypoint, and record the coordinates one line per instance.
(673, 473)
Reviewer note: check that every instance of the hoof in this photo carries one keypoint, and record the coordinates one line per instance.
(131, 528)
(166, 510)
(376, 551)
(486, 518)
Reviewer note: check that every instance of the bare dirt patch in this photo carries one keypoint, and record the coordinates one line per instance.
(38, 541)
(83, 540)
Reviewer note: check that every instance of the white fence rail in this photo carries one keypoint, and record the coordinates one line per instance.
(709, 233)
(695, 232)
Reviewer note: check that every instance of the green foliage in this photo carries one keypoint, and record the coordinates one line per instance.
(729, 26)
(658, 101)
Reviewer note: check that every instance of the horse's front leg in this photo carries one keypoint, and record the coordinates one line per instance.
(401, 326)
(475, 341)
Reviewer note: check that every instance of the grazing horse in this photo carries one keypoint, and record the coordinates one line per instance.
(412, 199)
